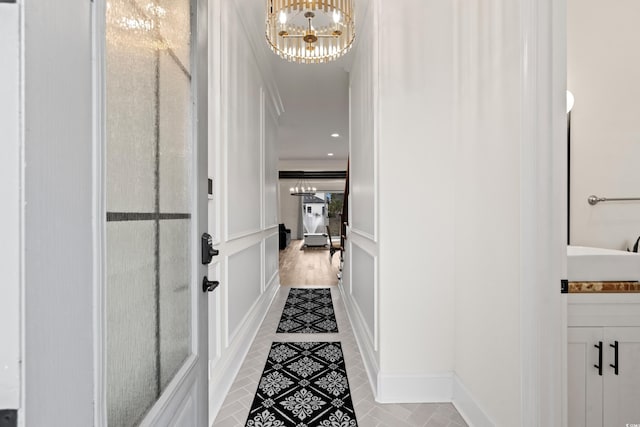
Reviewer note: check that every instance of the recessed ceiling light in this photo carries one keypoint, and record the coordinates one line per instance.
(335, 135)
(329, 154)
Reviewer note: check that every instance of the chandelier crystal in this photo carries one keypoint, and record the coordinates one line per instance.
(310, 31)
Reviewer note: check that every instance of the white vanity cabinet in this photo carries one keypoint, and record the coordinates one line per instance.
(602, 327)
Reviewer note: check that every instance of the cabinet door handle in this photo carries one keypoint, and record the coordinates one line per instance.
(615, 357)
(599, 365)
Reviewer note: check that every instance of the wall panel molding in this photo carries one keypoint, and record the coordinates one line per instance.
(362, 237)
(228, 366)
(252, 19)
(365, 344)
(243, 286)
(364, 291)
(242, 122)
(363, 129)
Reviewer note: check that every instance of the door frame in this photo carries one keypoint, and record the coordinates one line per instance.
(196, 365)
(543, 319)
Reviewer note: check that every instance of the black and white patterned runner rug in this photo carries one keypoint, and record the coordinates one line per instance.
(304, 384)
(308, 310)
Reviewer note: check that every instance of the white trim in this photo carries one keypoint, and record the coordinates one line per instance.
(364, 242)
(262, 157)
(99, 212)
(414, 388)
(215, 320)
(263, 265)
(542, 245)
(224, 312)
(223, 102)
(375, 80)
(469, 409)
(23, 347)
(173, 393)
(273, 279)
(217, 94)
(10, 217)
(361, 233)
(225, 371)
(238, 236)
(376, 304)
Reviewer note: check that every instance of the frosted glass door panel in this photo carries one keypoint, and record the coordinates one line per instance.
(175, 313)
(131, 309)
(174, 19)
(131, 110)
(149, 202)
(175, 135)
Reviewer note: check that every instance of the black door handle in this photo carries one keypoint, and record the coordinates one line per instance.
(615, 357)
(209, 285)
(599, 365)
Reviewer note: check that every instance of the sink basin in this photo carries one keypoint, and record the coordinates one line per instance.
(585, 264)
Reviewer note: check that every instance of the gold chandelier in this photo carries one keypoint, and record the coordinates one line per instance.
(310, 31)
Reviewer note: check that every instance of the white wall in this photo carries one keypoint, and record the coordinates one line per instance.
(10, 180)
(603, 68)
(416, 176)
(487, 189)
(509, 203)
(456, 131)
(243, 159)
(401, 240)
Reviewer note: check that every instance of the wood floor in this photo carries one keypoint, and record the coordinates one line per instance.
(307, 266)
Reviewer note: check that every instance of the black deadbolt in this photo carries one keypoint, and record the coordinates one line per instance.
(207, 249)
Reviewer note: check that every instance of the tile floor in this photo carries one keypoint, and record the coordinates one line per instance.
(236, 406)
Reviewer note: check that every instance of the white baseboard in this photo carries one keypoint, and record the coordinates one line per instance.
(415, 388)
(445, 387)
(230, 362)
(464, 402)
(360, 331)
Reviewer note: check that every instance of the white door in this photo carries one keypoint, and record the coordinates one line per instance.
(622, 386)
(584, 379)
(152, 65)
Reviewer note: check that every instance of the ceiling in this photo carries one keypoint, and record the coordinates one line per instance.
(315, 97)
(316, 105)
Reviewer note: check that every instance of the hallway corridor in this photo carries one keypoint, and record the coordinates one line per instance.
(307, 266)
(369, 413)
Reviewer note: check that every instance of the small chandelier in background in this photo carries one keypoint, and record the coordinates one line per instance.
(302, 188)
(310, 31)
